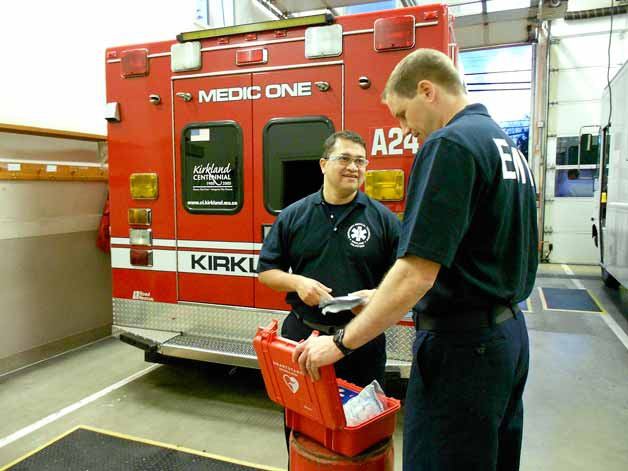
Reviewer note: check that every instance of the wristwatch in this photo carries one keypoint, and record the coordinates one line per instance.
(338, 337)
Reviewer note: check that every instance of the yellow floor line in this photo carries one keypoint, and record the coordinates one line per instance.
(597, 301)
(543, 301)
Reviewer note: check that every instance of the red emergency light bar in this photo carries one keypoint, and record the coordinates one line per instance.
(257, 55)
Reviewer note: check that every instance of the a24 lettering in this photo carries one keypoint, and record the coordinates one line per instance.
(392, 142)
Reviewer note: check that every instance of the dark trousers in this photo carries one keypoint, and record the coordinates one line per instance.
(464, 408)
(360, 368)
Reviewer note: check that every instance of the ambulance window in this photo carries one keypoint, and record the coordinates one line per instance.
(211, 163)
(292, 149)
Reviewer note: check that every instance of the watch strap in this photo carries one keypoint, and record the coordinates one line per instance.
(338, 338)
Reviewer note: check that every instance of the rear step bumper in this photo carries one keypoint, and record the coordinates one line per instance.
(216, 350)
(213, 350)
(143, 343)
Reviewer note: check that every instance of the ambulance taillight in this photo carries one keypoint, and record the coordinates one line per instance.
(141, 258)
(134, 63)
(394, 33)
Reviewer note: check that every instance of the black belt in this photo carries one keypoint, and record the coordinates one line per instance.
(324, 328)
(466, 321)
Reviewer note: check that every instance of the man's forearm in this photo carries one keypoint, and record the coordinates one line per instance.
(404, 285)
(279, 280)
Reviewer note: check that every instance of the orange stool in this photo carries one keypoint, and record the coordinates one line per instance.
(308, 455)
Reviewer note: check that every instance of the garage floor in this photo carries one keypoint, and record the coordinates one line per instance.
(576, 399)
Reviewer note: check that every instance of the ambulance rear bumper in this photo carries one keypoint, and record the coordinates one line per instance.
(226, 352)
(219, 334)
(212, 350)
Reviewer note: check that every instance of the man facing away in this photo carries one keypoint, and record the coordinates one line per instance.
(467, 255)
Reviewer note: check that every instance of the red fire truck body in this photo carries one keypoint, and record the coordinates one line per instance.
(209, 139)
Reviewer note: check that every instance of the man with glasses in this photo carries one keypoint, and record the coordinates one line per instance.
(334, 242)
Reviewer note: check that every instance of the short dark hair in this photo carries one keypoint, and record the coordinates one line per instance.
(346, 135)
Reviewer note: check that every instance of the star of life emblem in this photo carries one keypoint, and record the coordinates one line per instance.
(358, 235)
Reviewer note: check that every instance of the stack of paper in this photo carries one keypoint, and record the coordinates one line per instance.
(341, 303)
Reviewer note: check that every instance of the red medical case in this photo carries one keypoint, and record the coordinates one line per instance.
(314, 408)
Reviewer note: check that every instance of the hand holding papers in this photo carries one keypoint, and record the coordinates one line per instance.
(341, 303)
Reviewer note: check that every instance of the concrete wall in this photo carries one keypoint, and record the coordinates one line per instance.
(52, 288)
(55, 284)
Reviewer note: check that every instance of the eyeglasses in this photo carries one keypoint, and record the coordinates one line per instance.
(345, 160)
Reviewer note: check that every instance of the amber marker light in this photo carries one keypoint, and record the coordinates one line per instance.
(384, 185)
(144, 186)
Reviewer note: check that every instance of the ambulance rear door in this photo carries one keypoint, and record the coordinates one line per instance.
(214, 183)
(299, 108)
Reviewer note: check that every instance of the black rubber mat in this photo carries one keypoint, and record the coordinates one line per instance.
(85, 449)
(567, 299)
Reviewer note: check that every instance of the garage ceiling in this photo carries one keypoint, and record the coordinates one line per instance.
(479, 23)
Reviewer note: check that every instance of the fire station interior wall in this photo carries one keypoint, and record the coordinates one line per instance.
(55, 284)
(53, 55)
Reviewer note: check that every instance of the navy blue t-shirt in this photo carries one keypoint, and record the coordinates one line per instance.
(347, 248)
(471, 207)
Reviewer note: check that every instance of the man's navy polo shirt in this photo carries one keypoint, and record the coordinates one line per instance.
(346, 255)
(472, 208)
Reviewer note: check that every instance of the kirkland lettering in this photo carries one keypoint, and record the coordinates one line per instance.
(222, 263)
(218, 175)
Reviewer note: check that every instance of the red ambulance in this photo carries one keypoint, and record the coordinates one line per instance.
(212, 134)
